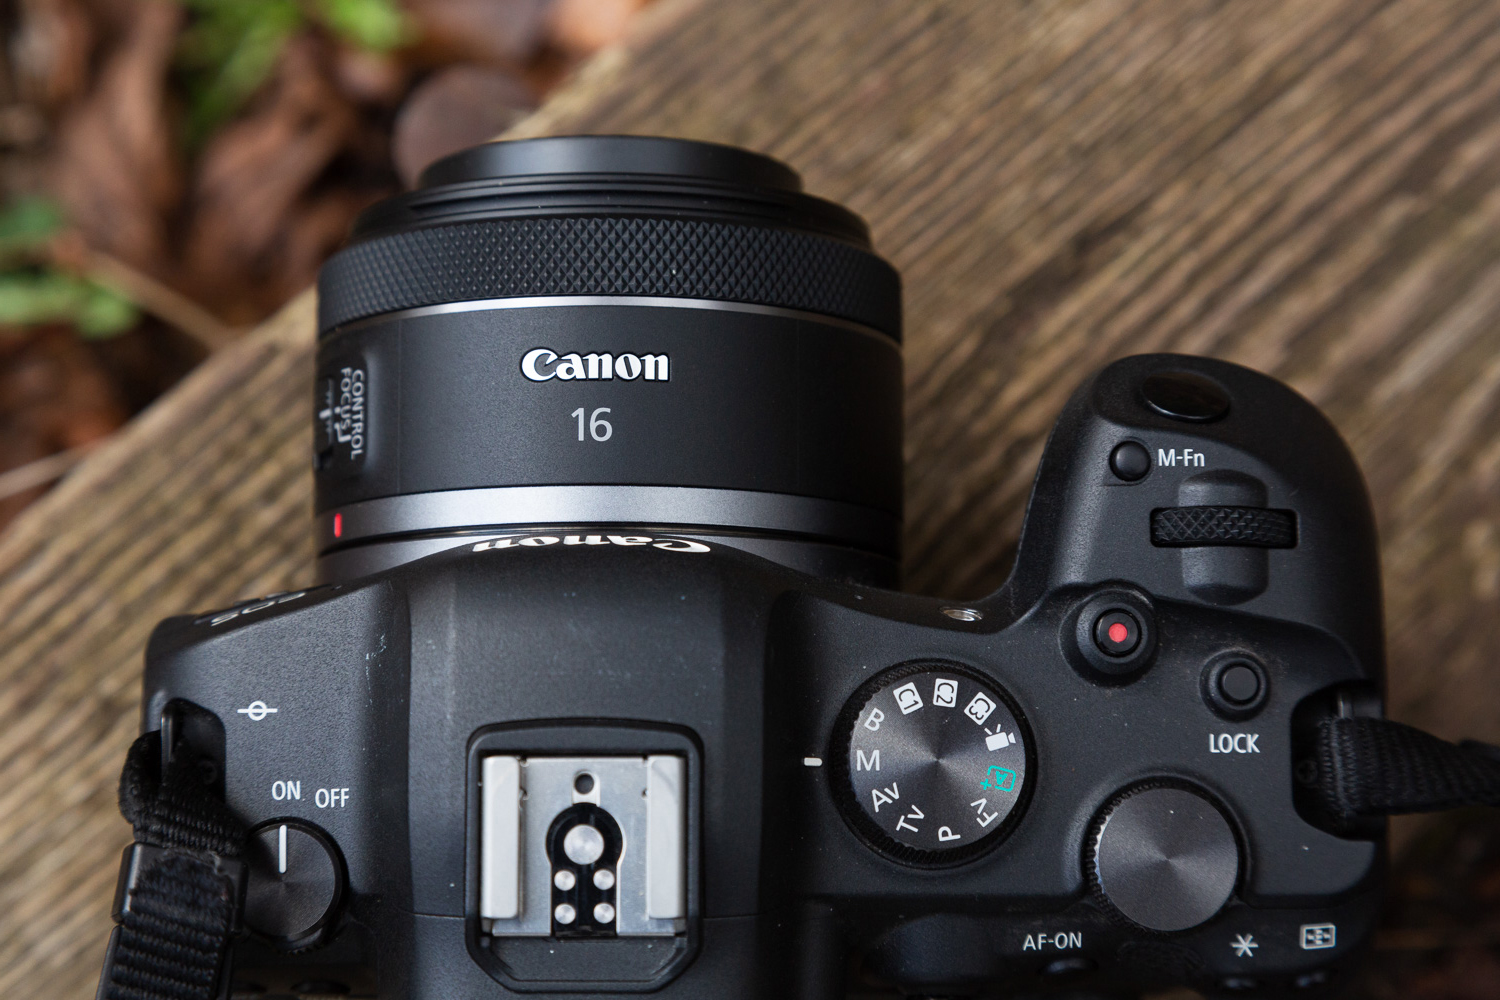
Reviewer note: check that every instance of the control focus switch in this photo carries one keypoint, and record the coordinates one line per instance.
(296, 884)
(1164, 858)
(933, 763)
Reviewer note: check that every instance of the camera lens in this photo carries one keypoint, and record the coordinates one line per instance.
(609, 332)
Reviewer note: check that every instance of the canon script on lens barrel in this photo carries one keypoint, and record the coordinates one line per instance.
(603, 695)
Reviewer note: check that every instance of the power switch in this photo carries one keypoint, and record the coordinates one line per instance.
(296, 883)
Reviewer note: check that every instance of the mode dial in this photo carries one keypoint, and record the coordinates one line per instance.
(934, 763)
(1164, 857)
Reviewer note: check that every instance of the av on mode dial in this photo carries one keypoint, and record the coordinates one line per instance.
(935, 765)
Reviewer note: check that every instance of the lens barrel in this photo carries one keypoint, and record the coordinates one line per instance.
(591, 332)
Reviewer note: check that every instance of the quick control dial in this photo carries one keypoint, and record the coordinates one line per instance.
(934, 763)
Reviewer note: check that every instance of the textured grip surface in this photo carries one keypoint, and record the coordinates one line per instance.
(582, 255)
(1255, 527)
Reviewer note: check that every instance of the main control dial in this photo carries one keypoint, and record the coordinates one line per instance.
(935, 763)
(1165, 857)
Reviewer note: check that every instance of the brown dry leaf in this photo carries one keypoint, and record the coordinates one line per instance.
(54, 391)
(452, 109)
(366, 77)
(252, 175)
(116, 167)
(498, 32)
(318, 225)
(49, 51)
(582, 27)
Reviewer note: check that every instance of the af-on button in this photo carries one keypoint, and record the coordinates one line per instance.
(1075, 965)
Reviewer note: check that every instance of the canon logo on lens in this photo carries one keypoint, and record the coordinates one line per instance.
(541, 364)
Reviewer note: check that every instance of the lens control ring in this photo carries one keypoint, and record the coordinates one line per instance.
(635, 256)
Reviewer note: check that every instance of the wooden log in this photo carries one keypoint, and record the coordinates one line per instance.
(1310, 189)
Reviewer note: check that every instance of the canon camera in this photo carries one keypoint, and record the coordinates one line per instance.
(605, 690)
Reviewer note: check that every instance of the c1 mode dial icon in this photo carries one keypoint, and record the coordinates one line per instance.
(933, 762)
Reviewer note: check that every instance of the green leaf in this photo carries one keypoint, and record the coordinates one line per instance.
(376, 25)
(28, 298)
(104, 313)
(230, 47)
(227, 53)
(28, 225)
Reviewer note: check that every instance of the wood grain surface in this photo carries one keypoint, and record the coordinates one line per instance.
(1312, 189)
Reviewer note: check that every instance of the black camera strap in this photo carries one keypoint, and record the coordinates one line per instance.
(182, 883)
(1376, 767)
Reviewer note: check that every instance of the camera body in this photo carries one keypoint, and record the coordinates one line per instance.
(1088, 776)
(607, 691)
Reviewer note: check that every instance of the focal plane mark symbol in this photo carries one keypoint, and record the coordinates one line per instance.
(256, 711)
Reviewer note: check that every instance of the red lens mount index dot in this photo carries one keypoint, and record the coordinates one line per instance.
(1118, 633)
(338, 525)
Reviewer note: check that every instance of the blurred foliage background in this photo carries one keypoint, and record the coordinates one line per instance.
(172, 171)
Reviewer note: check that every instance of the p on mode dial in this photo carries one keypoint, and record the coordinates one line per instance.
(933, 762)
